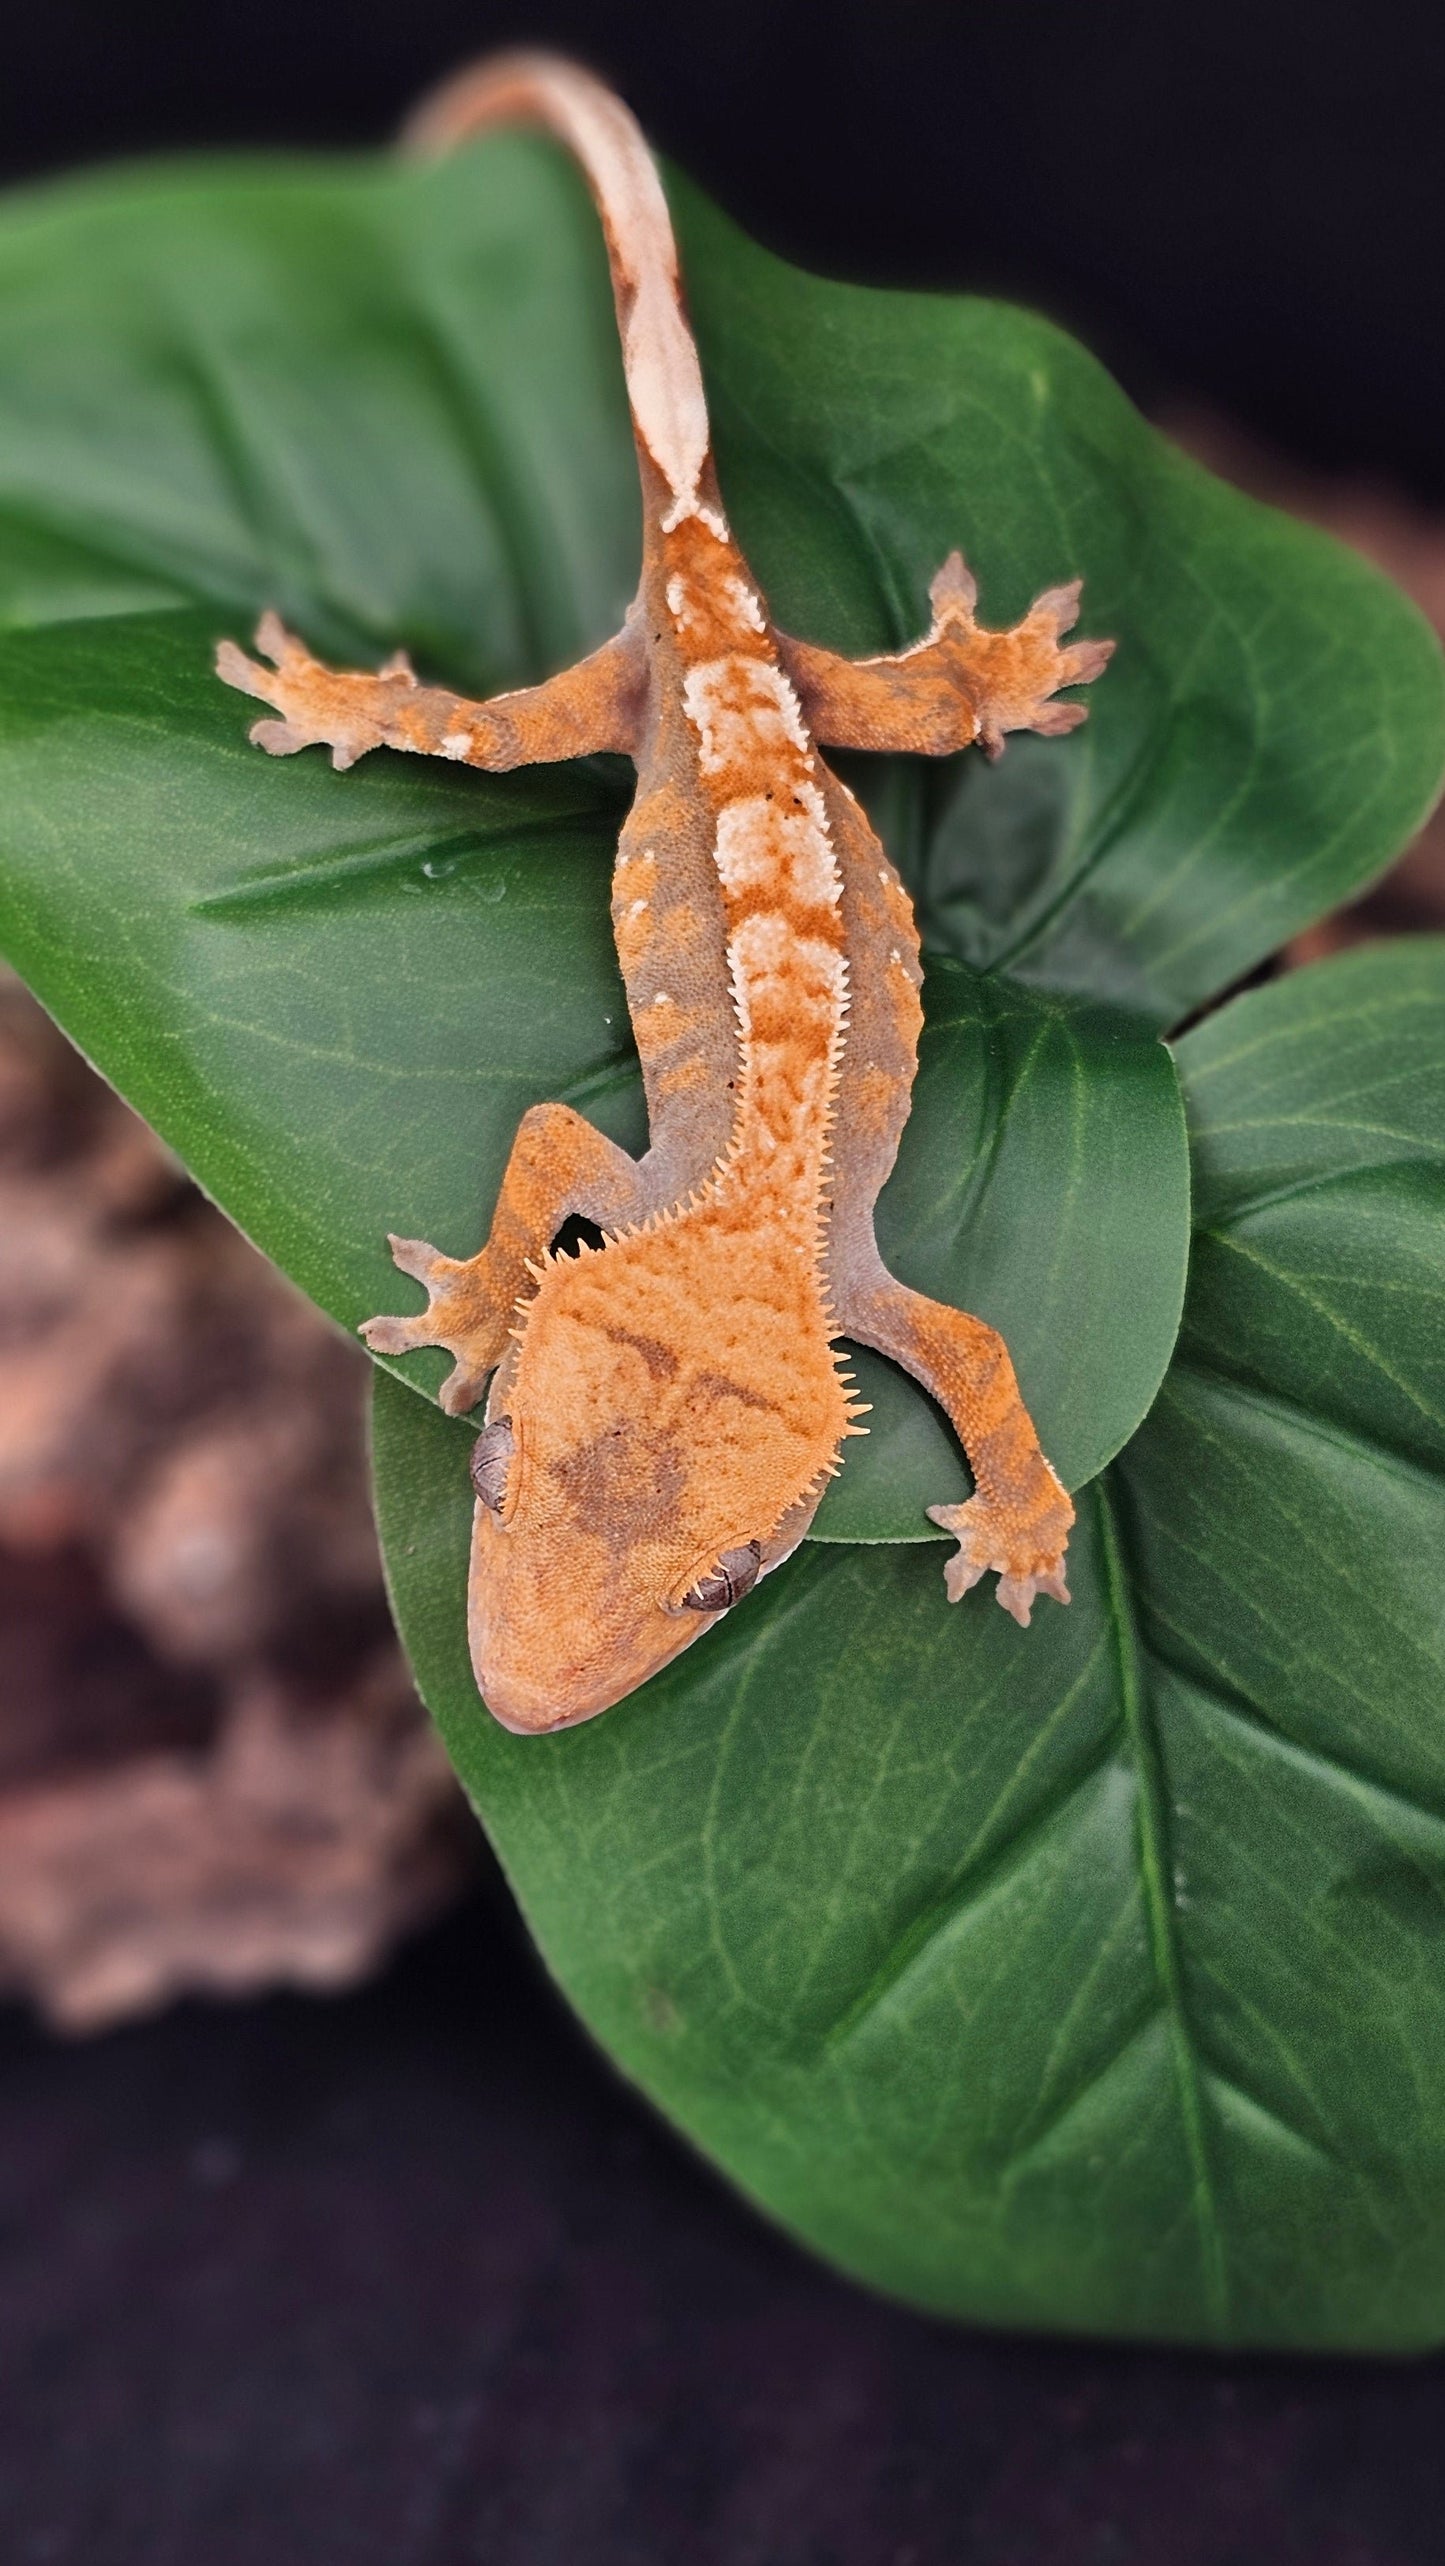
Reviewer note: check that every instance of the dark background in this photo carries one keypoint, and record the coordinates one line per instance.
(1244, 201)
(407, 2280)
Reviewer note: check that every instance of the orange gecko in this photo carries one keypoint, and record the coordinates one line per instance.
(667, 1409)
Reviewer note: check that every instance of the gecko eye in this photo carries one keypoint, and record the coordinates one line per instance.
(735, 1572)
(491, 1453)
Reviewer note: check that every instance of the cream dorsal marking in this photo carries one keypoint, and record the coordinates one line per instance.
(778, 872)
(775, 859)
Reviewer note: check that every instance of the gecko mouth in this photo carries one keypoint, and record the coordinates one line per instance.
(559, 1633)
(533, 1702)
(554, 1644)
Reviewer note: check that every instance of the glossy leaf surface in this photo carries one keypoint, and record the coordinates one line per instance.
(1269, 729)
(1089, 1976)
(878, 1898)
(336, 995)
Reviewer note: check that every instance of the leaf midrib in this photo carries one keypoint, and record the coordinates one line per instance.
(1156, 1871)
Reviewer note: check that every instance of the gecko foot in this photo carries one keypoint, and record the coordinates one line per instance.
(1021, 670)
(319, 707)
(1028, 1557)
(462, 1315)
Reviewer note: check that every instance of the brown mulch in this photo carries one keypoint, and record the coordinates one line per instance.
(214, 1773)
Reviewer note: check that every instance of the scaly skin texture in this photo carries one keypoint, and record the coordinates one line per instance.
(665, 1411)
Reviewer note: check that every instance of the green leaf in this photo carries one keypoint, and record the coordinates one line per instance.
(390, 403)
(342, 1026)
(877, 1897)
(1270, 730)
(1088, 1976)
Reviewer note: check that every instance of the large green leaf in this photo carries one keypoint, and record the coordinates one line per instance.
(341, 1026)
(390, 402)
(1090, 1976)
(1270, 728)
(874, 1895)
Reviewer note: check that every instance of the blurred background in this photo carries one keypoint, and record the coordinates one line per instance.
(323, 2232)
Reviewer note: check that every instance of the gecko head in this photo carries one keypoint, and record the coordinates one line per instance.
(635, 1480)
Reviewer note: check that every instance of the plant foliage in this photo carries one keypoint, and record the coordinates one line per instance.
(1085, 1977)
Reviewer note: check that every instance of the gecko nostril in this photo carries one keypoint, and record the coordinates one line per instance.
(491, 1455)
(735, 1573)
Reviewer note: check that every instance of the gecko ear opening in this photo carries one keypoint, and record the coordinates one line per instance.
(735, 1573)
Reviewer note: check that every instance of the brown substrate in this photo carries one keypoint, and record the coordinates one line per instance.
(213, 1770)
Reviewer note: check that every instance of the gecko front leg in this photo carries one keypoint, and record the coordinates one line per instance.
(594, 705)
(961, 683)
(1018, 1521)
(559, 1166)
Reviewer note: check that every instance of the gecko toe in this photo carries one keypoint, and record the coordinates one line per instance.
(1084, 661)
(235, 669)
(280, 738)
(1028, 1558)
(960, 1575)
(953, 590)
(462, 1387)
(387, 1335)
(416, 1257)
(1016, 1594)
(273, 640)
(1060, 606)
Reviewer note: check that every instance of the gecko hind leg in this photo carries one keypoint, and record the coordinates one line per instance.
(1017, 1523)
(559, 1166)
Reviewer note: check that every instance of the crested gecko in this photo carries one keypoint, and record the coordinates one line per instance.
(666, 1409)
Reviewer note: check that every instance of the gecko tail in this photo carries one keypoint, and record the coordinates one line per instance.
(664, 378)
